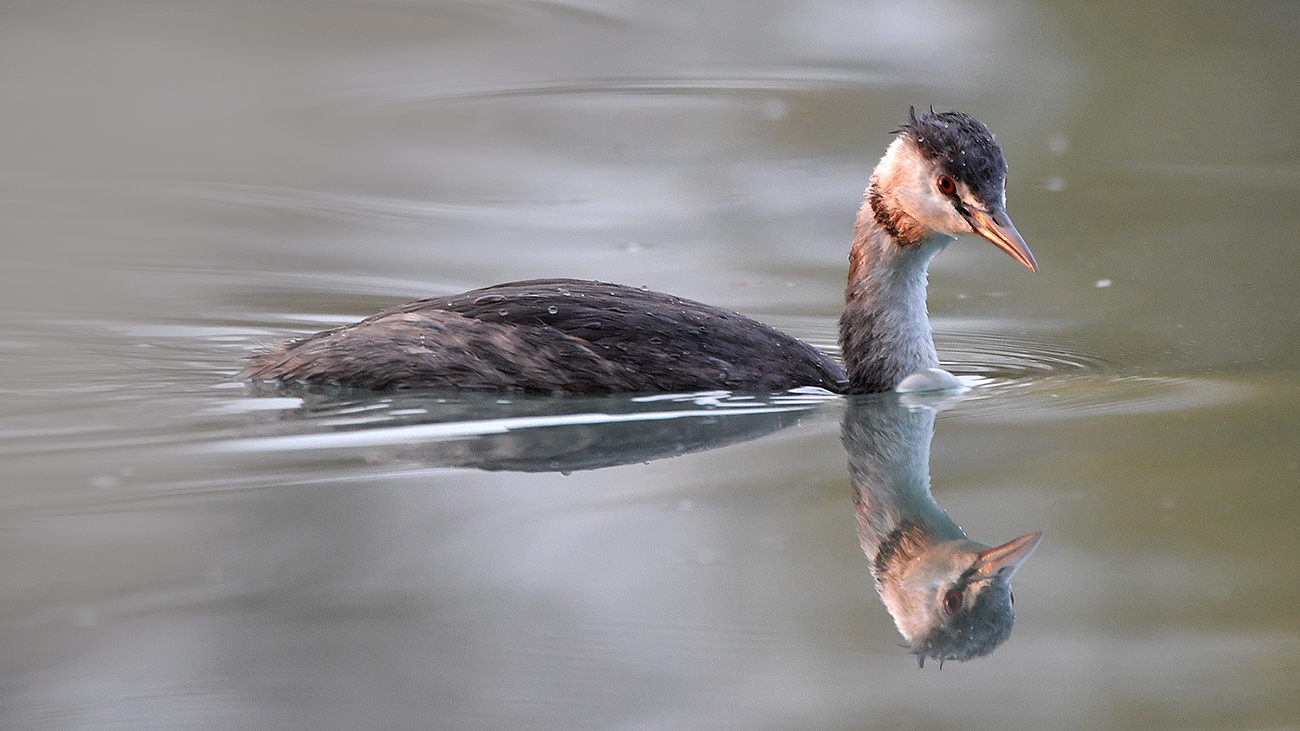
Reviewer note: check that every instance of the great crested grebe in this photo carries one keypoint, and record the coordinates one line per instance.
(942, 176)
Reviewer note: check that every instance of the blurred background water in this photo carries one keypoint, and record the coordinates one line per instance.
(180, 180)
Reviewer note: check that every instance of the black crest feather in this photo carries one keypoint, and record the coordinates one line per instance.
(964, 149)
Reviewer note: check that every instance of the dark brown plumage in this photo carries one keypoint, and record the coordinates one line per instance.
(549, 335)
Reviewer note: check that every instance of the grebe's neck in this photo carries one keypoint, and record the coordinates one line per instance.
(885, 331)
(889, 465)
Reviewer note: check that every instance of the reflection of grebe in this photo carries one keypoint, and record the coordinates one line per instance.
(950, 596)
(942, 176)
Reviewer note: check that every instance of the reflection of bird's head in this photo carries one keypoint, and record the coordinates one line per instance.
(951, 600)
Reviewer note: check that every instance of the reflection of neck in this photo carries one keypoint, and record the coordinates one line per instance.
(889, 465)
(884, 331)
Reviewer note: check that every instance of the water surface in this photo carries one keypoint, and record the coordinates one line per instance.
(181, 181)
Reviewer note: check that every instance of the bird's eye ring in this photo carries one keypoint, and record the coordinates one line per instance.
(952, 601)
(946, 186)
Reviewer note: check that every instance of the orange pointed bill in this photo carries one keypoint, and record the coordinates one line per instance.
(997, 228)
(1005, 559)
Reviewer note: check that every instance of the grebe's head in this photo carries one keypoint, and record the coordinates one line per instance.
(944, 174)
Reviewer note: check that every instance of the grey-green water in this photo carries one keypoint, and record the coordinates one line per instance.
(179, 181)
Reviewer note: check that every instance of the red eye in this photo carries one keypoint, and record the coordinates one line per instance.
(946, 186)
(952, 601)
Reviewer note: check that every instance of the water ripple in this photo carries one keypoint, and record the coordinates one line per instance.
(1042, 375)
(717, 81)
(507, 431)
(999, 357)
(1077, 397)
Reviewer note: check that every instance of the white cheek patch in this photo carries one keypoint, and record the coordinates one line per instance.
(910, 180)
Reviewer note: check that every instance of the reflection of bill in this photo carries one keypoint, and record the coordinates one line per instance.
(950, 596)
